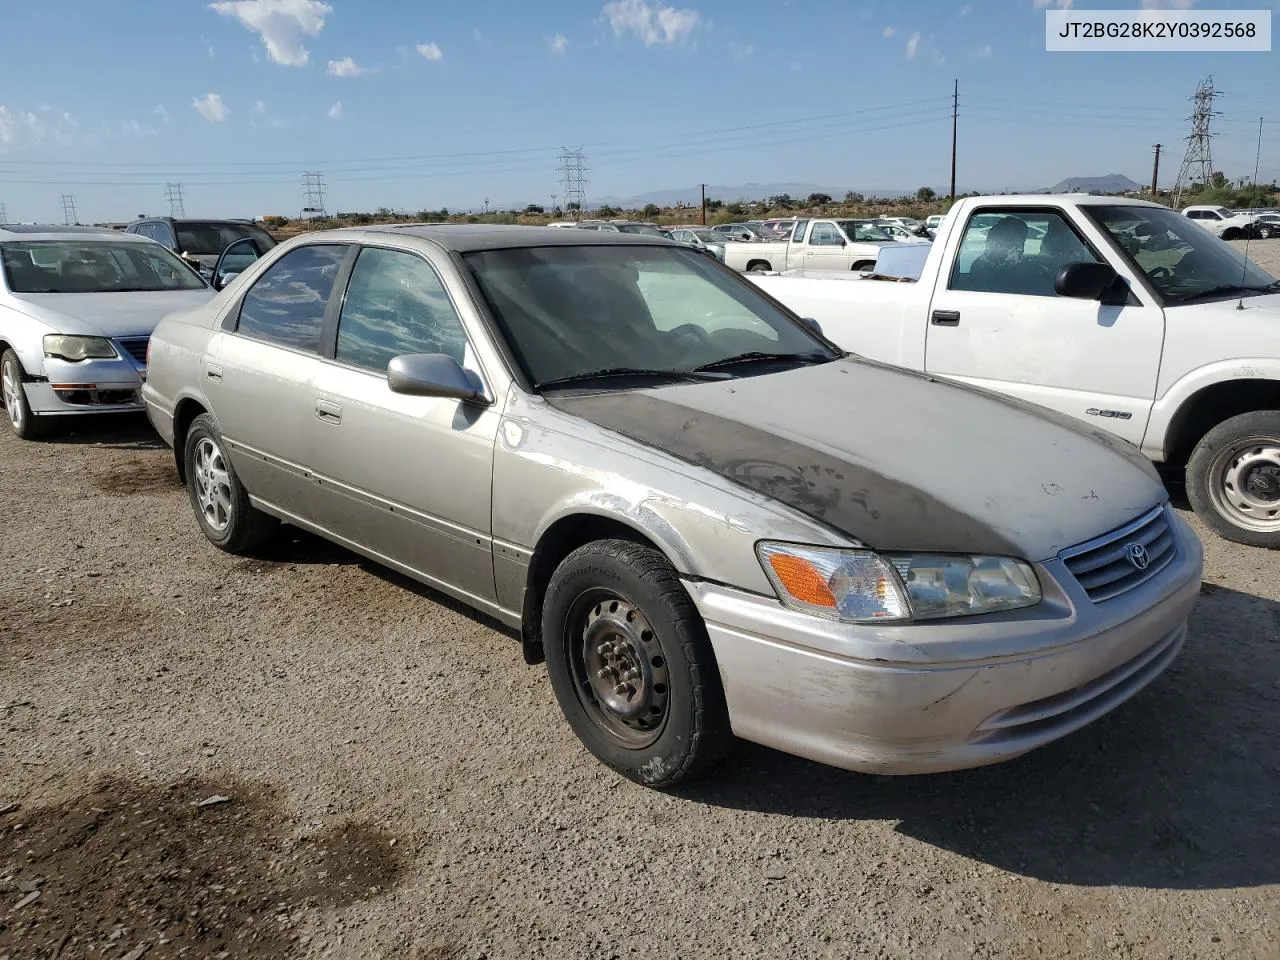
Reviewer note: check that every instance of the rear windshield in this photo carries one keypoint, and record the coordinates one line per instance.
(210, 239)
(93, 266)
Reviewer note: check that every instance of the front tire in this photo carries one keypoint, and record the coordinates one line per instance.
(1265, 233)
(1233, 479)
(759, 266)
(631, 665)
(220, 501)
(23, 423)
(1232, 234)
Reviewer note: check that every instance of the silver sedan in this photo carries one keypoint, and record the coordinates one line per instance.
(708, 520)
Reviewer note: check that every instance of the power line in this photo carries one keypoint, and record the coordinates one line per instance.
(313, 190)
(573, 177)
(69, 209)
(1197, 163)
(173, 194)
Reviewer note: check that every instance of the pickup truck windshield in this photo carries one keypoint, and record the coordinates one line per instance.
(571, 311)
(1182, 260)
(864, 231)
(93, 266)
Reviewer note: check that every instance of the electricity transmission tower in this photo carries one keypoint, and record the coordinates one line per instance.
(1197, 164)
(573, 178)
(69, 209)
(4, 214)
(173, 193)
(313, 191)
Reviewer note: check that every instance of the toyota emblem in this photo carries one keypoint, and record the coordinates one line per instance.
(1138, 556)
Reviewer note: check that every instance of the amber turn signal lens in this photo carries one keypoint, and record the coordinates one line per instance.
(802, 580)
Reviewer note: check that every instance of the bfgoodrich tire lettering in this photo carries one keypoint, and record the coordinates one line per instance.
(631, 666)
(220, 502)
(1233, 479)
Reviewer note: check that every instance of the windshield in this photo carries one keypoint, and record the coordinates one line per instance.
(1180, 258)
(639, 228)
(210, 239)
(93, 266)
(708, 236)
(570, 311)
(864, 231)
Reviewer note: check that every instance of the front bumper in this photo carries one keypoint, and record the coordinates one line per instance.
(88, 386)
(931, 697)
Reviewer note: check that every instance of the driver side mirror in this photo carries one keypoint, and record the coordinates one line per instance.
(813, 325)
(1085, 281)
(432, 375)
(233, 260)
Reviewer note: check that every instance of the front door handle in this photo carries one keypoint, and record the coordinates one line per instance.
(213, 371)
(328, 412)
(945, 318)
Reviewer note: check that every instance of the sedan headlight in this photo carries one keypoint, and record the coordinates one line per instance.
(78, 348)
(865, 587)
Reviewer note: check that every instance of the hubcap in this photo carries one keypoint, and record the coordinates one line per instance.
(213, 484)
(12, 388)
(1246, 483)
(620, 670)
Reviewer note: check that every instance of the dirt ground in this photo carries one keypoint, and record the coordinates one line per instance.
(398, 783)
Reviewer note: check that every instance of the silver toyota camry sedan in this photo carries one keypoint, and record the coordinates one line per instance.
(709, 521)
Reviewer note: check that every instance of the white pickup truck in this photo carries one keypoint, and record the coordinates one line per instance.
(814, 245)
(1122, 313)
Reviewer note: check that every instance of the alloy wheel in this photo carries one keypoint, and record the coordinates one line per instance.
(11, 386)
(213, 484)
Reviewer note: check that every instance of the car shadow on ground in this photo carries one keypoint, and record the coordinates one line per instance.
(1178, 789)
(119, 431)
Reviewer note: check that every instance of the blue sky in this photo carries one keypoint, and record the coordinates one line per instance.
(421, 104)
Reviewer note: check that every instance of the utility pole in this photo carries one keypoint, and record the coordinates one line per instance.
(955, 113)
(704, 203)
(1155, 170)
(313, 191)
(173, 193)
(486, 204)
(552, 211)
(69, 209)
(573, 175)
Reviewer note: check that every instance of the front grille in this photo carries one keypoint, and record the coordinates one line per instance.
(136, 347)
(1106, 567)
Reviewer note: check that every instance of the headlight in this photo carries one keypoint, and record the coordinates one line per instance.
(865, 587)
(78, 348)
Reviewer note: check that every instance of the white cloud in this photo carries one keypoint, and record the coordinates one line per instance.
(431, 51)
(211, 107)
(965, 11)
(259, 107)
(19, 128)
(135, 129)
(888, 32)
(654, 23)
(346, 67)
(281, 23)
(742, 51)
(335, 112)
(982, 53)
(162, 113)
(913, 44)
(1060, 4)
(1168, 4)
(558, 44)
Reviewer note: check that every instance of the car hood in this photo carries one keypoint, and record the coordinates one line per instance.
(108, 314)
(895, 459)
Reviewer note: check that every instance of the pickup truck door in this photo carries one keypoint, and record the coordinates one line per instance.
(827, 248)
(794, 256)
(996, 321)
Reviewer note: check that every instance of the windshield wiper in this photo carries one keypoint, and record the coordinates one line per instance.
(1226, 290)
(635, 372)
(757, 356)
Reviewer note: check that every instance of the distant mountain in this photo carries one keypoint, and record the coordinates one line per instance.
(692, 196)
(1111, 183)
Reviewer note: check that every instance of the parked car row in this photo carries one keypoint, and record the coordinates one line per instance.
(687, 490)
(1235, 224)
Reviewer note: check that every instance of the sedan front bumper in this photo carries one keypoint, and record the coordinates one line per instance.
(88, 386)
(947, 695)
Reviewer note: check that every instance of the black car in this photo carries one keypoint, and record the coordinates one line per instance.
(198, 241)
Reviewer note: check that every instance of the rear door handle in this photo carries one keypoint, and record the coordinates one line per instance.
(945, 318)
(328, 412)
(213, 371)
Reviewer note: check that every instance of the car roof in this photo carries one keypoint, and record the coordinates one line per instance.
(53, 231)
(468, 237)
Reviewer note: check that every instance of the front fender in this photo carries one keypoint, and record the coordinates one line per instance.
(25, 334)
(1165, 410)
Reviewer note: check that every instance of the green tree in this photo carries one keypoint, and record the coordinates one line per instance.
(735, 209)
(853, 197)
(1218, 180)
(651, 210)
(782, 201)
(717, 204)
(926, 195)
(815, 199)
(534, 208)
(607, 211)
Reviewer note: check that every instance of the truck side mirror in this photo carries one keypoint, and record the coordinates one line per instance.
(1085, 281)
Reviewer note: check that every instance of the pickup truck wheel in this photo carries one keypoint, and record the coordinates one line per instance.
(1233, 479)
(1231, 234)
(862, 265)
(758, 266)
(22, 421)
(220, 501)
(631, 665)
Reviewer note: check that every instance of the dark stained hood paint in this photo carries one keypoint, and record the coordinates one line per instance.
(894, 459)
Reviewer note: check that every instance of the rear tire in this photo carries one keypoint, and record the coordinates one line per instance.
(220, 502)
(24, 424)
(759, 266)
(1233, 479)
(1232, 234)
(631, 665)
(1265, 233)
